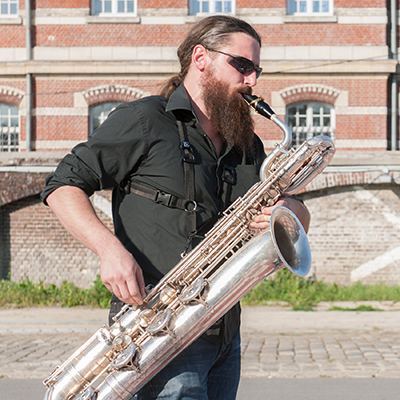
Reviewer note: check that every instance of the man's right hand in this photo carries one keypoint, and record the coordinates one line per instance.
(122, 276)
(119, 271)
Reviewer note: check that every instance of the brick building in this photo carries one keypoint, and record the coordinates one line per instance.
(329, 67)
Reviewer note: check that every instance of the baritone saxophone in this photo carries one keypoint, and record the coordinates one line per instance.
(232, 258)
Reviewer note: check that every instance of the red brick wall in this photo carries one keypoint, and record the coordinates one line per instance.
(59, 4)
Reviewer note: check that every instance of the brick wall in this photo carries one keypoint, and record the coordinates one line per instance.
(354, 235)
(355, 229)
(35, 246)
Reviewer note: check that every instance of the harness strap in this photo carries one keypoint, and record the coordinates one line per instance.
(188, 169)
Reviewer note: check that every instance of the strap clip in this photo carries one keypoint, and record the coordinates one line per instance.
(163, 198)
(187, 152)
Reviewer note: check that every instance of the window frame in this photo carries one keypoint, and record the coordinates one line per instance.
(91, 110)
(309, 8)
(212, 7)
(309, 128)
(114, 10)
(9, 2)
(9, 148)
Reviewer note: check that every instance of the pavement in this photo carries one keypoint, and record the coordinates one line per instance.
(276, 342)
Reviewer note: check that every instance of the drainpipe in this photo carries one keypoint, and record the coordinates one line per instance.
(394, 84)
(28, 39)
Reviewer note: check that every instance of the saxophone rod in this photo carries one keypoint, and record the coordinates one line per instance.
(261, 107)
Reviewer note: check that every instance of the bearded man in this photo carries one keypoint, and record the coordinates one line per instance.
(175, 162)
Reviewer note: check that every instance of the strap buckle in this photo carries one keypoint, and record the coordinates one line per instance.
(187, 152)
(229, 175)
(163, 198)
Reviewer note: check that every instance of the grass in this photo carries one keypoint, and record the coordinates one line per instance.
(29, 294)
(303, 294)
(300, 293)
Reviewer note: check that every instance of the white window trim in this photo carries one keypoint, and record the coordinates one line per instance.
(17, 130)
(114, 13)
(11, 16)
(212, 8)
(310, 13)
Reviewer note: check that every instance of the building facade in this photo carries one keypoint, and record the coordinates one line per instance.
(329, 67)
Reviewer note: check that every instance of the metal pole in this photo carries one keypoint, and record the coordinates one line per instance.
(28, 131)
(394, 84)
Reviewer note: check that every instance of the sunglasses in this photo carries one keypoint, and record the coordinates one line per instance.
(241, 64)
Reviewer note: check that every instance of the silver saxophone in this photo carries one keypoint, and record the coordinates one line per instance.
(232, 258)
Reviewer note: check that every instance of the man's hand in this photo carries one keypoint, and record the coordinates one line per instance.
(122, 276)
(119, 271)
(262, 220)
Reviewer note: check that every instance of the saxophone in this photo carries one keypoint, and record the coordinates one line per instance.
(232, 258)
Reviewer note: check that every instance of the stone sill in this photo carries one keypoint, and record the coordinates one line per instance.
(11, 21)
(112, 20)
(309, 19)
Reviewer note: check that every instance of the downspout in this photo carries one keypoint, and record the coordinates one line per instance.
(394, 84)
(28, 39)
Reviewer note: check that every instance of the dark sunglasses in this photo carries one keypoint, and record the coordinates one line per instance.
(241, 64)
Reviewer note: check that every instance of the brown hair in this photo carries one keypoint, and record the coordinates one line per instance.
(211, 32)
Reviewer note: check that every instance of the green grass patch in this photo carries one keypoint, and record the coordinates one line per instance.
(359, 308)
(29, 294)
(304, 294)
(300, 293)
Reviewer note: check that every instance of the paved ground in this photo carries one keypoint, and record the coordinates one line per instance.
(276, 342)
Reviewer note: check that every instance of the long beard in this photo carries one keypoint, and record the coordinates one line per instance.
(229, 114)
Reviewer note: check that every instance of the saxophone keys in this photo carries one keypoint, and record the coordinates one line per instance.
(193, 292)
(251, 213)
(121, 342)
(160, 323)
(88, 394)
(145, 317)
(168, 295)
(124, 358)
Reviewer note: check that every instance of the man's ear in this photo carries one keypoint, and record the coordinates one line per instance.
(200, 57)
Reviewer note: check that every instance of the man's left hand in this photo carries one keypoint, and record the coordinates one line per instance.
(262, 220)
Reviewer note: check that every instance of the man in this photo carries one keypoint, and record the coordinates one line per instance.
(140, 153)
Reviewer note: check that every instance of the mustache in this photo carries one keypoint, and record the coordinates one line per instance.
(247, 90)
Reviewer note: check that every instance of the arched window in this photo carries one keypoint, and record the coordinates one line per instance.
(99, 113)
(310, 119)
(9, 127)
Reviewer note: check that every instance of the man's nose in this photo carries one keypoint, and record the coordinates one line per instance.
(251, 79)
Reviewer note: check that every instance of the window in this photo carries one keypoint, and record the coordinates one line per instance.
(310, 7)
(8, 8)
(9, 127)
(211, 6)
(307, 120)
(113, 7)
(99, 113)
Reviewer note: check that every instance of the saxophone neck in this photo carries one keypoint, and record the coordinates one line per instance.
(261, 107)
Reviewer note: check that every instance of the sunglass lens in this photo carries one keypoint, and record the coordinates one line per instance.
(244, 66)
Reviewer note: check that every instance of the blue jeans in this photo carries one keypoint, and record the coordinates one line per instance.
(203, 371)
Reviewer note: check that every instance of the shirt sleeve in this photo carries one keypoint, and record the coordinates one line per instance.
(111, 153)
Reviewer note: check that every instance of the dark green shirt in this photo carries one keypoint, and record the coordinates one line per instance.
(139, 142)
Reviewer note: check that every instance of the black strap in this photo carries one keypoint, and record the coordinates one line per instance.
(188, 169)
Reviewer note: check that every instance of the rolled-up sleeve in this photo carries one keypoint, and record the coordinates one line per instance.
(106, 158)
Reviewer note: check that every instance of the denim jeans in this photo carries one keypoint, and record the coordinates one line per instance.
(203, 371)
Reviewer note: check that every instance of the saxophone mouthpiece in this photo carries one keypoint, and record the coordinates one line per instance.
(259, 105)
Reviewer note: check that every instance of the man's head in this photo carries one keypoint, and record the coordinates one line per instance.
(213, 33)
(219, 60)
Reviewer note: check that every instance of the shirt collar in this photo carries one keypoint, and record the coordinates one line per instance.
(179, 100)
